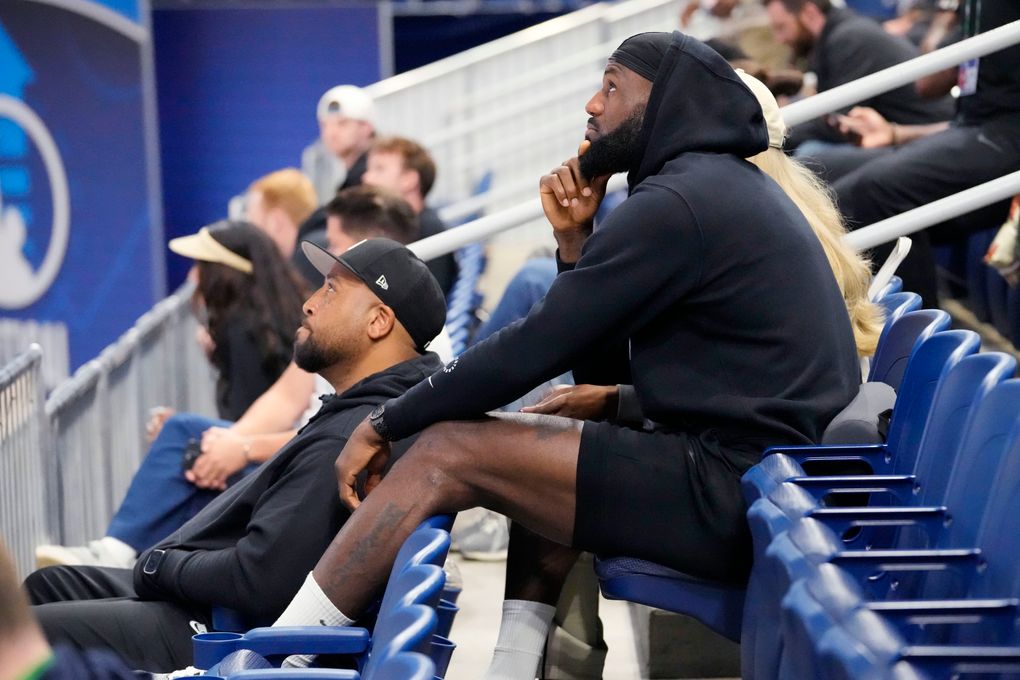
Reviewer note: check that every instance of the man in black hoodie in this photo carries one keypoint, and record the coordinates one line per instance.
(738, 335)
(365, 331)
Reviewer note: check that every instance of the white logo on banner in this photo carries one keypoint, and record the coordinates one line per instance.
(20, 285)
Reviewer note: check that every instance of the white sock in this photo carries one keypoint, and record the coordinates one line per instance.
(118, 548)
(522, 634)
(310, 607)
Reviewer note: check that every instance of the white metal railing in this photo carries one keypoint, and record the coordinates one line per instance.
(23, 466)
(508, 106)
(901, 74)
(795, 113)
(88, 435)
(938, 211)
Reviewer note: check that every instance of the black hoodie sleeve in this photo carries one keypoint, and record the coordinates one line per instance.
(247, 575)
(645, 257)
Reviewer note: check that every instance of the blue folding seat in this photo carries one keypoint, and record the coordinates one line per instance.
(719, 606)
(417, 585)
(895, 285)
(896, 305)
(956, 521)
(974, 557)
(833, 634)
(863, 646)
(975, 380)
(404, 633)
(933, 359)
(898, 344)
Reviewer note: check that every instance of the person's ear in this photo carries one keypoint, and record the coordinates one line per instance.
(381, 322)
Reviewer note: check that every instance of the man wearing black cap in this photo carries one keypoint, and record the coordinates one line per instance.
(738, 339)
(365, 331)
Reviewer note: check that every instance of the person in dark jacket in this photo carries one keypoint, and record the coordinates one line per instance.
(250, 548)
(842, 46)
(739, 339)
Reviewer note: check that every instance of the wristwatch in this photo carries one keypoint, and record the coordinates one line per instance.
(378, 423)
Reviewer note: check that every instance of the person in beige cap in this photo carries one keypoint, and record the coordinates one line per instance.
(337, 160)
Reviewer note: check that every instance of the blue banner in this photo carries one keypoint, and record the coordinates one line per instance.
(237, 94)
(79, 214)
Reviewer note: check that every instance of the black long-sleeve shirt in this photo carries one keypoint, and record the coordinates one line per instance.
(736, 325)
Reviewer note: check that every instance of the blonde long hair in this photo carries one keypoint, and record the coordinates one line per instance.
(815, 200)
(852, 271)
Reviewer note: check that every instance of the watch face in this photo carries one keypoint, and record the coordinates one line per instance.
(376, 412)
(152, 562)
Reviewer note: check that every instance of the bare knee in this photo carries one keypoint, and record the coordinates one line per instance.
(439, 461)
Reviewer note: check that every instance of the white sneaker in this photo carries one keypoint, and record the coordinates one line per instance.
(454, 579)
(106, 552)
(483, 536)
(188, 672)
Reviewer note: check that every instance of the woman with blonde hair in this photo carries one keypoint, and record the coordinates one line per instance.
(806, 190)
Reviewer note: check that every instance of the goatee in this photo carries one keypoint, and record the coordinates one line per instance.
(616, 151)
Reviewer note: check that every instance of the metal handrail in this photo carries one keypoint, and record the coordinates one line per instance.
(901, 74)
(798, 112)
(935, 212)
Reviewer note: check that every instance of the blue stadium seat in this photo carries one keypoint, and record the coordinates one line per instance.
(398, 652)
(418, 586)
(934, 358)
(718, 606)
(904, 336)
(778, 562)
(895, 285)
(896, 305)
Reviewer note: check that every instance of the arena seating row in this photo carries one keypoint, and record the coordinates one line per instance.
(879, 560)
(408, 641)
(906, 569)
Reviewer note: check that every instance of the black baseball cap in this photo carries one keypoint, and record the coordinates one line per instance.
(397, 277)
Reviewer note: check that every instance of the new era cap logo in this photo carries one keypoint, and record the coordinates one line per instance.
(381, 282)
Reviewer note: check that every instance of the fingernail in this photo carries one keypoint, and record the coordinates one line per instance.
(586, 191)
(565, 202)
(573, 201)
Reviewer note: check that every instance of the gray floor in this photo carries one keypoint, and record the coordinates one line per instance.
(477, 623)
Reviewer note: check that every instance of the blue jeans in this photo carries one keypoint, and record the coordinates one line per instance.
(160, 499)
(528, 286)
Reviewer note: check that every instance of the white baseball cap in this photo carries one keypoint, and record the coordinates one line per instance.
(769, 108)
(346, 101)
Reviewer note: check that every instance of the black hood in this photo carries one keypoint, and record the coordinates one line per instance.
(699, 104)
(382, 386)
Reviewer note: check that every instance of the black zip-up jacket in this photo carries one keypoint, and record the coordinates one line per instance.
(738, 331)
(251, 548)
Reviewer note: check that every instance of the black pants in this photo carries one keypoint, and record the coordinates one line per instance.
(97, 607)
(924, 171)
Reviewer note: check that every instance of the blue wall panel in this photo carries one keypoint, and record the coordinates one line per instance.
(237, 93)
(73, 142)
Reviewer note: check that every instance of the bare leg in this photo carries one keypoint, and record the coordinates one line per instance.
(523, 466)
(536, 567)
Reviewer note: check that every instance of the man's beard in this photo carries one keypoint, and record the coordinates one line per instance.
(312, 357)
(615, 151)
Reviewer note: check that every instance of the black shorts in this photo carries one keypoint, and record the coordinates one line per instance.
(670, 498)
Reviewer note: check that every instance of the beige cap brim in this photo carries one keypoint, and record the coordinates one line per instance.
(202, 246)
